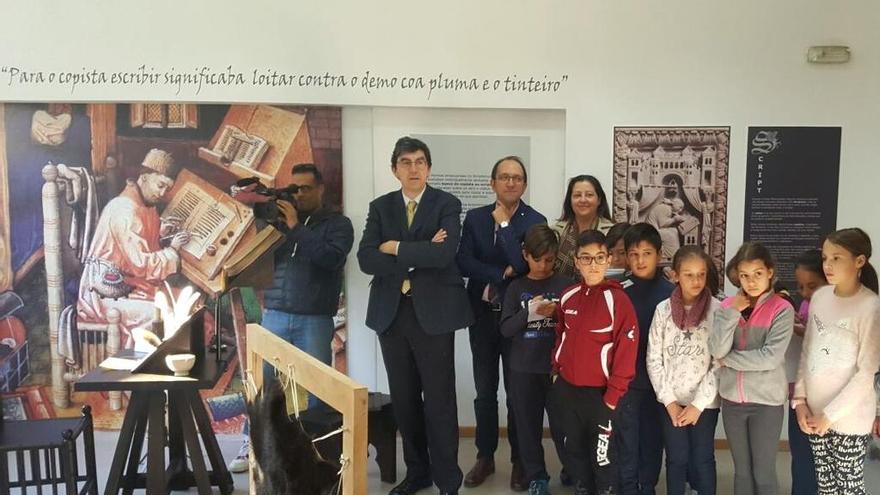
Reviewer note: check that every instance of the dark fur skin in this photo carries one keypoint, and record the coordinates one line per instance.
(286, 462)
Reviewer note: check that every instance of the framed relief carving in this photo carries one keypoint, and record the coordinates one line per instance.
(674, 178)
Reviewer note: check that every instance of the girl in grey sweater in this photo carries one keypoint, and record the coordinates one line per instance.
(751, 333)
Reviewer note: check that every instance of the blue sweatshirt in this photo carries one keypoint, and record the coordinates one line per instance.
(645, 295)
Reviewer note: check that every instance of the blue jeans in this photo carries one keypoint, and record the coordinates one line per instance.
(310, 333)
(690, 454)
(803, 469)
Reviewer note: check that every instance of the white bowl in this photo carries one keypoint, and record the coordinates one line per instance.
(180, 364)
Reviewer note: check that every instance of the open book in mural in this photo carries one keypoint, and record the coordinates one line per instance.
(105, 206)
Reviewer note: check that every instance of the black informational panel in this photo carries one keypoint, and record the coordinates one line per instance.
(791, 191)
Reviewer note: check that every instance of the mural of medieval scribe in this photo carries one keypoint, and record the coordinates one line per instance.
(674, 178)
(105, 208)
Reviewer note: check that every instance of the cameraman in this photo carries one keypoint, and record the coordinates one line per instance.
(304, 297)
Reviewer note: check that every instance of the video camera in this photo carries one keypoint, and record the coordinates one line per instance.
(264, 199)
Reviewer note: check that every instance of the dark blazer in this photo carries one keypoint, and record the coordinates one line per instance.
(438, 293)
(482, 259)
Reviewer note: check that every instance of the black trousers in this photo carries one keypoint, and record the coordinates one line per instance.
(488, 347)
(589, 430)
(690, 454)
(840, 463)
(421, 376)
(530, 397)
(639, 441)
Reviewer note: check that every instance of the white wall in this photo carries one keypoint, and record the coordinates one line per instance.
(628, 62)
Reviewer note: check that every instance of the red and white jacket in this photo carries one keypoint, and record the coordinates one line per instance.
(597, 338)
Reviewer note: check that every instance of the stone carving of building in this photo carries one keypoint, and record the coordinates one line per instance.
(676, 180)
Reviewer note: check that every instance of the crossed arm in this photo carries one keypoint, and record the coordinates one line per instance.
(392, 256)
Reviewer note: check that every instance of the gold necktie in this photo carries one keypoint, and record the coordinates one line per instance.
(410, 214)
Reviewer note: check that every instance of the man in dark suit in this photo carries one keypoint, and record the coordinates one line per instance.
(490, 256)
(417, 302)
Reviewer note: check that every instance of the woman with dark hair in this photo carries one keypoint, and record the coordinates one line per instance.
(585, 208)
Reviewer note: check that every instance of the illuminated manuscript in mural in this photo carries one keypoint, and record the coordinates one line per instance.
(215, 221)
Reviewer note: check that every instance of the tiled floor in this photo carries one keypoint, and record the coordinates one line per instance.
(497, 484)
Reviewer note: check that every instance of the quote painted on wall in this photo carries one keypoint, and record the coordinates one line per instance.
(192, 82)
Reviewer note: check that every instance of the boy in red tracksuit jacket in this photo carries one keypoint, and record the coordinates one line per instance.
(594, 359)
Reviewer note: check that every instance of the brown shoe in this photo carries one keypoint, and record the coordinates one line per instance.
(518, 481)
(478, 474)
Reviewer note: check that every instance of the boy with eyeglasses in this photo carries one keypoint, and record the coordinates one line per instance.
(639, 438)
(593, 362)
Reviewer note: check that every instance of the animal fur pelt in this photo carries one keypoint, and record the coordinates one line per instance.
(286, 462)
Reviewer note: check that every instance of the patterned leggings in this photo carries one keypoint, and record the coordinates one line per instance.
(840, 463)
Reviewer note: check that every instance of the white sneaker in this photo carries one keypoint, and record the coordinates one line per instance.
(240, 464)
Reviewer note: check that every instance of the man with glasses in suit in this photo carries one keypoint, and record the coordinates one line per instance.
(417, 301)
(490, 255)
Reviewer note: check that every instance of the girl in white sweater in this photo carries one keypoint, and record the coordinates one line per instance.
(683, 374)
(834, 394)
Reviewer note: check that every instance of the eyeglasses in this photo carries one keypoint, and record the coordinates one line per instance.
(418, 163)
(516, 179)
(599, 259)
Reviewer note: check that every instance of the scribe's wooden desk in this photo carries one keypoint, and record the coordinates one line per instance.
(146, 413)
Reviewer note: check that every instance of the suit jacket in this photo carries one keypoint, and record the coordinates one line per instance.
(484, 253)
(438, 292)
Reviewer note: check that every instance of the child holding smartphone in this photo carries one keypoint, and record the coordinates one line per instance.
(528, 318)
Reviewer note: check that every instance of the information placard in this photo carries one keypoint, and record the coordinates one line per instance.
(791, 191)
